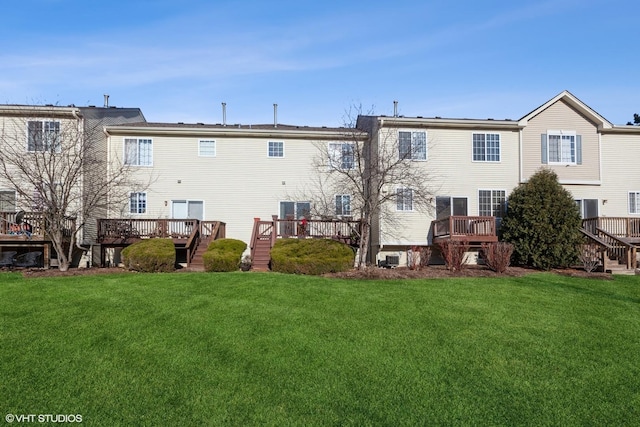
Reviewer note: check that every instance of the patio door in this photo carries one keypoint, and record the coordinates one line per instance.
(185, 209)
(292, 211)
(588, 208)
(447, 206)
(191, 209)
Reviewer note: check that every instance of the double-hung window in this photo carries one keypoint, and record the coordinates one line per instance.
(404, 199)
(561, 147)
(491, 203)
(486, 147)
(43, 136)
(138, 203)
(275, 149)
(343, 205)
(138, 152)
(206, 148)
(412, 145)
(7, 201)
(341, 155)
(634, 202)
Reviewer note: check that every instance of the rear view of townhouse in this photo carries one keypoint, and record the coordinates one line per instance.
(203, 181)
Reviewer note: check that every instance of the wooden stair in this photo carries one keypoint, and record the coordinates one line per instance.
(614, 266)
(261, 254)
(197, 263)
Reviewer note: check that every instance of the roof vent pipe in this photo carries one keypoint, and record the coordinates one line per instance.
(395, 108)
(106, 101)
(275, 115)
(224, 114)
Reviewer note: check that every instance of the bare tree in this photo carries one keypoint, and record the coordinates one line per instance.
(375, 173)
(61, 172)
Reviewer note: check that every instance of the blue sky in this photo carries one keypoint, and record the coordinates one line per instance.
(179, 60)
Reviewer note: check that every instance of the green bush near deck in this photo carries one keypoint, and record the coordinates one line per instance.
(311, 256)
(223, 255)
(150, 255)
(543, 222)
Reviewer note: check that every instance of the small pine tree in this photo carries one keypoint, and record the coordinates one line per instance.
(543, 222)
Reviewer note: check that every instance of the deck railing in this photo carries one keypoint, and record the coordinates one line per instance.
(616, 226)
(37, 222)
(347, 231)
(128, 228)
(472, 228)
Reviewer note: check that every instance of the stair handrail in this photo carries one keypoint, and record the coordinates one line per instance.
(192, 241)
(596, 239)
(621, 248)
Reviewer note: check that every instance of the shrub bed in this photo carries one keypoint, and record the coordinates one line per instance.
(150, 255)
(223, 255)
(311, 256)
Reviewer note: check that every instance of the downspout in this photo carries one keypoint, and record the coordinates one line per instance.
(80, 125)
(520, 154)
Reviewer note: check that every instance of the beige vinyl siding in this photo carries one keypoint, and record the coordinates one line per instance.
(621, 174)
(237, 185)
(560, 116)
(454, 173)
(14, 130)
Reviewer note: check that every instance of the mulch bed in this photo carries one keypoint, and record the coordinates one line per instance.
(430, 272)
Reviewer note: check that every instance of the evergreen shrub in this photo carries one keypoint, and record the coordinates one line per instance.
(543, 222)
(223, 255)
(150, 255)
(311, 256)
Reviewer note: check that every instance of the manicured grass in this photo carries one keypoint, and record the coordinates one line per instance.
(271, 349)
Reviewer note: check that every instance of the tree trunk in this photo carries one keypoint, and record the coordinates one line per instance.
(364, 245)
(64, 261)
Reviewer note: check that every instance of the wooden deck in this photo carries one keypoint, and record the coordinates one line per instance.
(186, 234)
(37, 240)
(473, 229)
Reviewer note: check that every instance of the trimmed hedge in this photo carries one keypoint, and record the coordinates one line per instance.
(223, 255)
(311, 256)
(150, 255)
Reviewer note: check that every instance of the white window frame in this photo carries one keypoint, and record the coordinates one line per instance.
(138, 210)
(414, 151)
(401, 204)
(138, 141)
(207, 151)
(46, 143)
(343, 201)
(494, 204)
(336, 153)
(566, 137)
(634, 202)
(484, 151)
(273, 152)
(8, 200)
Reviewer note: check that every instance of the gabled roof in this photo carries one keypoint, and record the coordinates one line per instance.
(574, 102)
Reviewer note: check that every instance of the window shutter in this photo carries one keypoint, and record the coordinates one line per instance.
(543, 147)
(579, 149)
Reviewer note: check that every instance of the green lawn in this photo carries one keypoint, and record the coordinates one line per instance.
(268, 349)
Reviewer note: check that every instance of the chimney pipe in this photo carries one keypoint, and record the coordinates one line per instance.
(275, 115)
(395, 108)
(106, 101)
(224, 114)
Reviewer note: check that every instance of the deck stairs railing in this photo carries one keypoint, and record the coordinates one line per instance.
(265, 233)
(618, 237)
